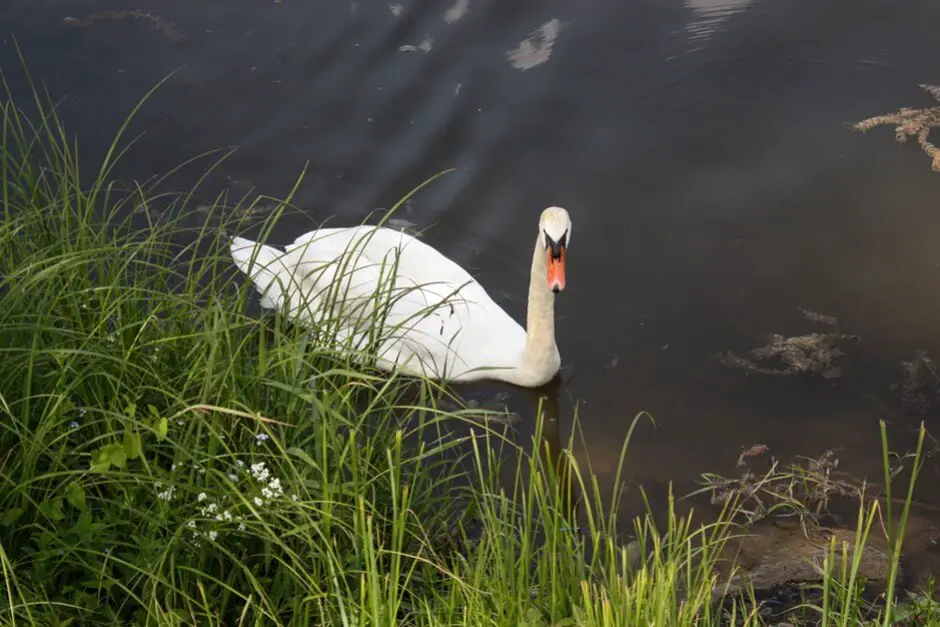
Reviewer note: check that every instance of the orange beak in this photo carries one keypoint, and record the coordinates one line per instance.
(556, 271)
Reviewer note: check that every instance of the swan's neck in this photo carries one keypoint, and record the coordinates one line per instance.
(540, 359)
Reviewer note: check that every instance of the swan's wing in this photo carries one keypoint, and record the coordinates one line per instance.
(419, 261)
(449, 323)
(434, 315)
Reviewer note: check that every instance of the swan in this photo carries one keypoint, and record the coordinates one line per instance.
(437, 321)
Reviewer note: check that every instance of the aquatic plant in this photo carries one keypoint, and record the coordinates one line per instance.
(165, 27)
(912, 123)
(813, 353)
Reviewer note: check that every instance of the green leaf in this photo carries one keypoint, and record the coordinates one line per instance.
(133, 447)
(116, 455)
(85, 528)
(107, 456)
(52, 509)
(131, 410)
(302, 454)
(11, 516)
(75, 495)
(162, 426)
(100, 460)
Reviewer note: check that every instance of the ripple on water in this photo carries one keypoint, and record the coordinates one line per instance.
(707, 16)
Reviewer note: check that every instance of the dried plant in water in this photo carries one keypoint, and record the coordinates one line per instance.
(165, 27)
(814, 353)
(920, 388)
(803, 490)
(912, 122)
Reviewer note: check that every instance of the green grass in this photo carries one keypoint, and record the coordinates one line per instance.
(169, 457)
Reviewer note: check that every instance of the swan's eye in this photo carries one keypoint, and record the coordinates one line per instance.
(555, 246)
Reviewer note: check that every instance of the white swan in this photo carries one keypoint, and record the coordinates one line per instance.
(438, 322)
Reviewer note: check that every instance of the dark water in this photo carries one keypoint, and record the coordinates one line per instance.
(700, 146)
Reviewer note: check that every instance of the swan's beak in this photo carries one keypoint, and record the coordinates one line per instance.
(556, 268)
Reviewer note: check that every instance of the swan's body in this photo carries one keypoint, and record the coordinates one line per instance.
(438, 321)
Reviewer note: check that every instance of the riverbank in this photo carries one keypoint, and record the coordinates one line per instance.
(169, 457)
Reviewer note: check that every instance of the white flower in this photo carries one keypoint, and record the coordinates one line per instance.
(167, 494)
(191, 524)
(173, 467)
(209, 509)
(73, 424)
(261, 437)
(226, 515)
(241, 526)
(294, 497)
(259, 472)
(232, 478)
(201, 497)
(240, 463)
(218, 517)
(258, 502)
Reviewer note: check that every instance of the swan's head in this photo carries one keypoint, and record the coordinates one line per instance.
(555, 231)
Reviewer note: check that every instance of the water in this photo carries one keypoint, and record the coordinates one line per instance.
(700, 146)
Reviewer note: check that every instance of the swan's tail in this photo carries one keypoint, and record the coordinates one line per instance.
(262, 264)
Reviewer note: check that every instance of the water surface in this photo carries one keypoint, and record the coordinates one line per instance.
(700, 146)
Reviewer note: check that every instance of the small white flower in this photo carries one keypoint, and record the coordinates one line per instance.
(218, 517)
(294, 498)
(213, 535)
(232, 478)
(201, 497)
(258, 501)
(202, 471)
(241, 526)
(213, 507)
(191, 524)
(73, 424)
(226, 515)
(240, 463)
(82, 412)
(260, 472)
(167, 494)
(173, 467)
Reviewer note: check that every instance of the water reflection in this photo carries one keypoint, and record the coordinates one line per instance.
(708, 16)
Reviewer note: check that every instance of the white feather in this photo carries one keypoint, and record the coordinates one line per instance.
(439, 321)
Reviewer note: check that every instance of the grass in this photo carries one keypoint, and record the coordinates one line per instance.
(168, 457)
